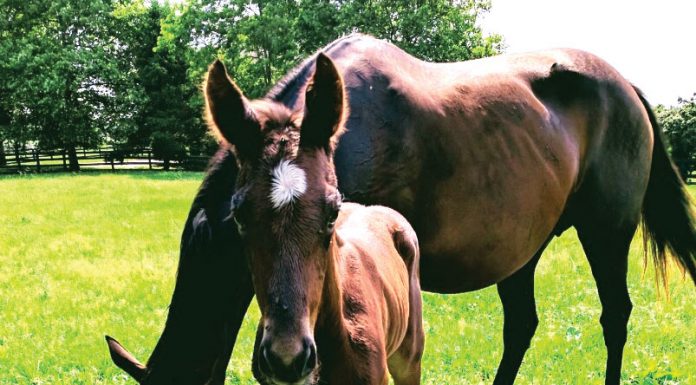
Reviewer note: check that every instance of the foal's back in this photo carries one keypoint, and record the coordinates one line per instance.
(377, 262)
(378, 253)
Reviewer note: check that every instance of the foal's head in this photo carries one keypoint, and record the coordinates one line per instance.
(285, 207)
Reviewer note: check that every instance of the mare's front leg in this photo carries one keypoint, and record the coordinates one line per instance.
(517, 295)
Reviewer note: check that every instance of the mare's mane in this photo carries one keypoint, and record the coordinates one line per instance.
(283, 91)
(221, 173)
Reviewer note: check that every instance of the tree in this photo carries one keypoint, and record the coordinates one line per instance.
(126, 72)
(15, 21)
(164, 114)
(433, 30)
(261, 40)
(255, 38)
(4, 122)
(67, 87)
(679, 124)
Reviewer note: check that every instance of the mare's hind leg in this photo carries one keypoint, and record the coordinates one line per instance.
(517, 295)
(607, 252)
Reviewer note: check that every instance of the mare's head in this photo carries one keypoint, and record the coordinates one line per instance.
(285, 208)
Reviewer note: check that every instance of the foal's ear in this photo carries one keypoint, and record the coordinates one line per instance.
(324, 106)
(229, 113)
(124, 360)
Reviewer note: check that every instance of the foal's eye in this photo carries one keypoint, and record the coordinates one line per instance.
(331, 221)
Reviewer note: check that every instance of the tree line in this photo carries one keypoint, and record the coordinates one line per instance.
(83, 73)
(126, 73)
(679, 125)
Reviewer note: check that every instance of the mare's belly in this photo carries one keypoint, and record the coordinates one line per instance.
(483, 193)
(483, 223)
(486, 223)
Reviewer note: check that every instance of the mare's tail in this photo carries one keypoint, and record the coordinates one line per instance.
(668, 222)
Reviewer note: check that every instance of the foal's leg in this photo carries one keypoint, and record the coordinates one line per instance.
(405, 364)
(607, 252)
(517, 295)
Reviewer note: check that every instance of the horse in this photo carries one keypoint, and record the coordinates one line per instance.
(336, 283)
(368, 319)
(488, 160)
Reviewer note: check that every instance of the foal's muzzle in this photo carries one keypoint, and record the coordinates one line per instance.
(289, 367)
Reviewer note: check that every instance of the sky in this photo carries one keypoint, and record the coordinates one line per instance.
(652, 43)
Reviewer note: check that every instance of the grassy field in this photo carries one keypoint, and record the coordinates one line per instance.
(82, 256)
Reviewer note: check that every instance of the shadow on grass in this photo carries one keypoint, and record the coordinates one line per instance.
(136, 174)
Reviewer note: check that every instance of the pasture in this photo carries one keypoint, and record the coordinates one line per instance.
(86, 255)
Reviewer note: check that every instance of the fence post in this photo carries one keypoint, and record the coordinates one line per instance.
(65, 164)
(149, 158)
(36, 157)
(112, 163)
(19, 159)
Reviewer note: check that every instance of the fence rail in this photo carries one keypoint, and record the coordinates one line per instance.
(102, 158)
(106, 158)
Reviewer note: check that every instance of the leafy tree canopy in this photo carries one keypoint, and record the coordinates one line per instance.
(679, 124)
(261, 40)
(127, 72)
(64, 82)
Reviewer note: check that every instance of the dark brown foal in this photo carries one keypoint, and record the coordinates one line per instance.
(368, 319)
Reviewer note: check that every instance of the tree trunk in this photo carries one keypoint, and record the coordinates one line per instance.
(3, 157)
(72, 159)
(17, 156)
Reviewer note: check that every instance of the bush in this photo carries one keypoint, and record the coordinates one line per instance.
(679, 125)
(165, 146)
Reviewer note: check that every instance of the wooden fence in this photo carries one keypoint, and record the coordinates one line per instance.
(103, 158)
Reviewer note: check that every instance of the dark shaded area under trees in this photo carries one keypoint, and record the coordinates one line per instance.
(679, 125)
(84, 73)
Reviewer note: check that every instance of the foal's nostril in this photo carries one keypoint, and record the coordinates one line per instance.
(265, 362)
(307, 360)
(299, 366)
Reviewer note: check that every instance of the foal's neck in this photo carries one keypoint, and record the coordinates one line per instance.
(331, 329)
(331, 310)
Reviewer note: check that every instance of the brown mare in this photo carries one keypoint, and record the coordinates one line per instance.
(488, 160)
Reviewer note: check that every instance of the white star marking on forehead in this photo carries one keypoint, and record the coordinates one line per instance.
(288, 183)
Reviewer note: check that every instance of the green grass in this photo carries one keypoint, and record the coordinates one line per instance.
(86, 255)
